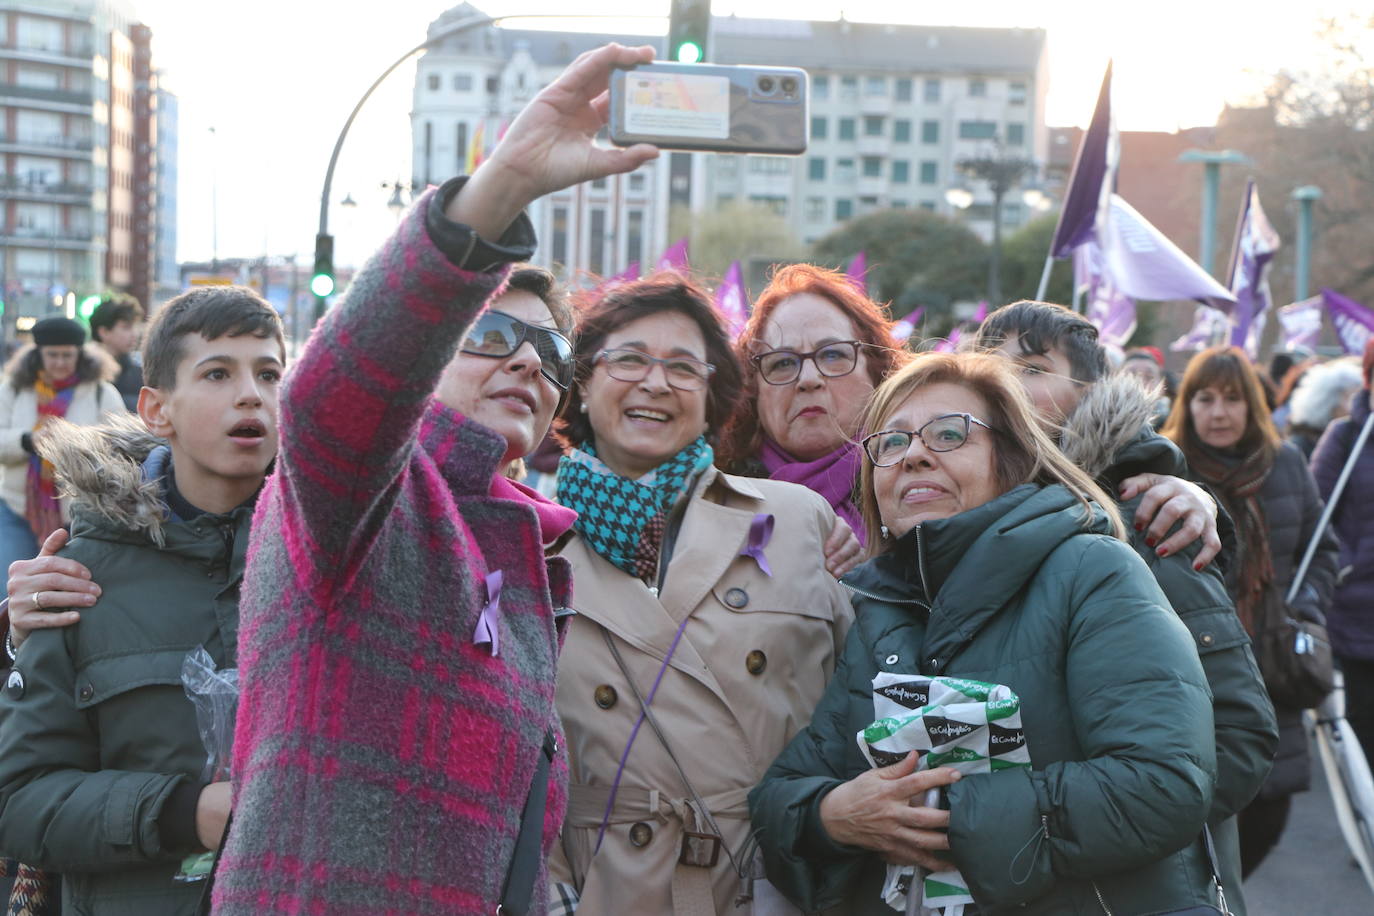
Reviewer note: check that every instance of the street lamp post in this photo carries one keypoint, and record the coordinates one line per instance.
(1305, 196)
(1002, 173)
(1212, 161)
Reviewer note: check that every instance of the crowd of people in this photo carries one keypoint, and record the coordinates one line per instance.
(639, 690)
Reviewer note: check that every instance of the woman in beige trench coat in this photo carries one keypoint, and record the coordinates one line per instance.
(703, 594)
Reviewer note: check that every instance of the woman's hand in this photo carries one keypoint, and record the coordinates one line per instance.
(550, 145)
(47, 581)
(878, 810)
(842, 549)
(1169, 501)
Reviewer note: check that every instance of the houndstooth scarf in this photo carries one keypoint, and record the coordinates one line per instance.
(621, 519)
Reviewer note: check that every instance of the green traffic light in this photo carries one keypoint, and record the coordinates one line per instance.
(689, 52)
(88, 306)
(322, 285)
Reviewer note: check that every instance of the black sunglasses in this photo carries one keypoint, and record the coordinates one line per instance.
(498, 335)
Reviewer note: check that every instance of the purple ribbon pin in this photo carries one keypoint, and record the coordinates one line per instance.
(487, 632)
(760, 533)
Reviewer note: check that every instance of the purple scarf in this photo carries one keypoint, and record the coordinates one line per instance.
(834, 476)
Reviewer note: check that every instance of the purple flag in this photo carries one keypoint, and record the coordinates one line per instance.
(1301, 323)
(675, 258)
(1256, 242)
(628, 275)
(1209, 327)
(981, 315)
(1093, 177)
(950, 343)
(858, 272)
(732, 299)
(1112, 311)
(1143, 264)
(903, 329)
(1354, 323)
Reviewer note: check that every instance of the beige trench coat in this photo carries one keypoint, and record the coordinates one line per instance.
(751, 665)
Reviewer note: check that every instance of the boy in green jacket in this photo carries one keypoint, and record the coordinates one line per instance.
(101, 758)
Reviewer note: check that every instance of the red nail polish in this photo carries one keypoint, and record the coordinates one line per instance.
(1197, 567)
(1163, 551)
(1149, 542)
(1139, 526)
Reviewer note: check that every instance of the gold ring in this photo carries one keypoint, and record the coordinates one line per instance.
(36, 602)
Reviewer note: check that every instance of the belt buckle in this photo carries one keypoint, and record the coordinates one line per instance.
(701, 850)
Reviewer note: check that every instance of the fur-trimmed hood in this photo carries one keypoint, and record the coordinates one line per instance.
(101, 471)
(1109, 434)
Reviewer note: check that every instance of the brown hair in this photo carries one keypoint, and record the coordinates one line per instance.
(665, 291)
(1023, 451)
(1226, 369)
(212, 312)
(872, 325)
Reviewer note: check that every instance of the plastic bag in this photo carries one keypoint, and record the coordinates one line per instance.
(215, 695)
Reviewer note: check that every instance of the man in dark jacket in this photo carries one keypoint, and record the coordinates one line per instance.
(114, 325)
(1104, 426)
(101, 758)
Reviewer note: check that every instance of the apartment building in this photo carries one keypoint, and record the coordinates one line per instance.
(893, 109)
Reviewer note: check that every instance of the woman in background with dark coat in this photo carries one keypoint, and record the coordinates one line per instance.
(1221, 422)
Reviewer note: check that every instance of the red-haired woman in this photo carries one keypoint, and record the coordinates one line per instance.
(1221, 422)
(815, 348)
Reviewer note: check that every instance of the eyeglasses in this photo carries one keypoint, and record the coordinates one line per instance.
(942, 434)
(682, 372)
(498, 335)
(783, 367)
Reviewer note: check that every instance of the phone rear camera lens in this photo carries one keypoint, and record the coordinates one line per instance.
(789, 85)
(765, 84)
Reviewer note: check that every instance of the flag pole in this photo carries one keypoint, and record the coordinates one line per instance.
(1044, 278)
(1330, 509)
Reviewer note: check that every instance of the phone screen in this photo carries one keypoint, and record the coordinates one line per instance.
(678, 105)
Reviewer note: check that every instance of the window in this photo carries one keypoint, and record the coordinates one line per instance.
(873, 125)
(820, 87)
(433, 82)
(634, 241)
(903, 87)
(1016, 134)
(1016, 93)
(820, 128)
(977, 130)
(930, 131)
(849, 88)
(816, 169)
(844, 209)
(930, 172)
(772, 201)
(844, 170)
(599, 184)
(461, 151)
(429, 150)
(815, 209)
(978, 88)
(899, 204)
(901, 171)
(769, 165)
(868, 204)
(637, 184)
(560, 235)
(846, 128)
(596, 239)
(931, 89)
(873, 166)
(875, 85)
(901, 131)
(493, 85)
(462, 82)
(928, 205)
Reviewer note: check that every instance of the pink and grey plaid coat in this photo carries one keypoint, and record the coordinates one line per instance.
(382, 759)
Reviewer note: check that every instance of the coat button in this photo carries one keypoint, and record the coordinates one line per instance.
(736, 598)
(14, 686)
(640, 834)
(755, 662)
(1206, 639)
(890, 660)
(605, 696)
(87, 691)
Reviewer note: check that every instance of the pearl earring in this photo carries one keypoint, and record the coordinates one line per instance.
(584, 406)
(886, 534)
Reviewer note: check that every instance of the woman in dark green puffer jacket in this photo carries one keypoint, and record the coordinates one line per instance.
(997, 561)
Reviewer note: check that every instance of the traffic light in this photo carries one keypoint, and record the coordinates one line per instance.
(322, 280)
(87, 307)
(688, 23)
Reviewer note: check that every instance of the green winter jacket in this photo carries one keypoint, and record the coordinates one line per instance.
(101, 735)
(1109, 436)
(1115, 706)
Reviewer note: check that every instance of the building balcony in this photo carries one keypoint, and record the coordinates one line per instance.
(14, 187)
(28, 95)
(78, 56)
(874, 146)
(47, 237)
(51, 145)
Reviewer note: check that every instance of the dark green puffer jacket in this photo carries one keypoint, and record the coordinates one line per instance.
(1115, 705)
(1109, 436)
(102, 735)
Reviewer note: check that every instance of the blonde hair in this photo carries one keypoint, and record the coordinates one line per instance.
(1023, 452)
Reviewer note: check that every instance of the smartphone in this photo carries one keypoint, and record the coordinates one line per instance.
(711, 107)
